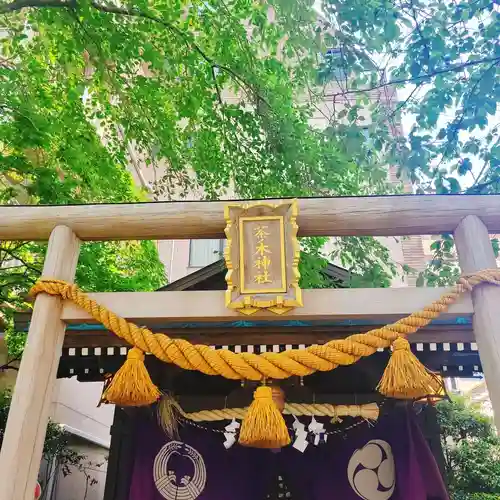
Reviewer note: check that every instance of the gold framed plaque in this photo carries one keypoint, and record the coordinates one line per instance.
(262, 257)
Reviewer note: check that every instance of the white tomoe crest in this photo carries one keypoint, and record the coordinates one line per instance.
(371, 471)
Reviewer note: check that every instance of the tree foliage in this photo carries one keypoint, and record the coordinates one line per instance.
(219, 96)
(443, 57)
(471, 449)
(212, 96)
(161, 75)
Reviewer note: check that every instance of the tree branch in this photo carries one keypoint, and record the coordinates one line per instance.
(452, 69)
(458, 123)
(132, 12)
(20, 259)
(476, 189)
(402, 104)
(214, 76)
(7, 366)
(485, 165)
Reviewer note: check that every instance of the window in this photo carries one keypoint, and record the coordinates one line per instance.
(205, 252)
(332, 65)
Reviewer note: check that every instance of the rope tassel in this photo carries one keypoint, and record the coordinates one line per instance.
(264, 425)
(131, 385)
(405, 377)
(168, 411)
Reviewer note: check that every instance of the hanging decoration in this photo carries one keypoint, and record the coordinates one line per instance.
(167, 412)
(340, 430)
(264, 425)
(300, 443)
(317, 429)
(230, 433)
(170, 413)
(404, 377)
(131, 385)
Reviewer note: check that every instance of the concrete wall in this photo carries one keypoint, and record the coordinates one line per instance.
(75, 406)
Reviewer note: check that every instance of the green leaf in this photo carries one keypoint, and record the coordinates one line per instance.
(415, 69)
(471, 449)
(464, 166)
(490, 105)
(392, 30)
(420, 280)
(495, 243)
(455, 187)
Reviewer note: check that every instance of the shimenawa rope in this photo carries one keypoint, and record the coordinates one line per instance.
(404, 376)
(369, 411)
(267, 365)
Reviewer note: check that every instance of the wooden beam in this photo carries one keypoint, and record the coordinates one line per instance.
(372, 216)
(29, 412)
(266, 335)
(382, 304)
(475, 253)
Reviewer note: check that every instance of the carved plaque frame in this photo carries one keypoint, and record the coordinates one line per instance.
(262, 257)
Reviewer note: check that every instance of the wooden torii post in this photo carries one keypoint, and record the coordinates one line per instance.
(470, 218)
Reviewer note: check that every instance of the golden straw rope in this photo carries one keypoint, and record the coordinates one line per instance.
(369, 411)
(267, 365)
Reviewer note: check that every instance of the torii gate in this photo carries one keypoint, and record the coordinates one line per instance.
(469, 218)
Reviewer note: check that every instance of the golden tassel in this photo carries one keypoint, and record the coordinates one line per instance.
(264, 425)
(131, 385)
(405, 377)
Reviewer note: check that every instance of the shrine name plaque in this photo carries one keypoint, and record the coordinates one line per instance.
(262, 257)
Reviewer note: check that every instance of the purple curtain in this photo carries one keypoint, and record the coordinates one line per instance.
(389, 460)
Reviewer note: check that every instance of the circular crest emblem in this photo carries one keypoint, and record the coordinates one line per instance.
(179, 472)
(371, 471)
